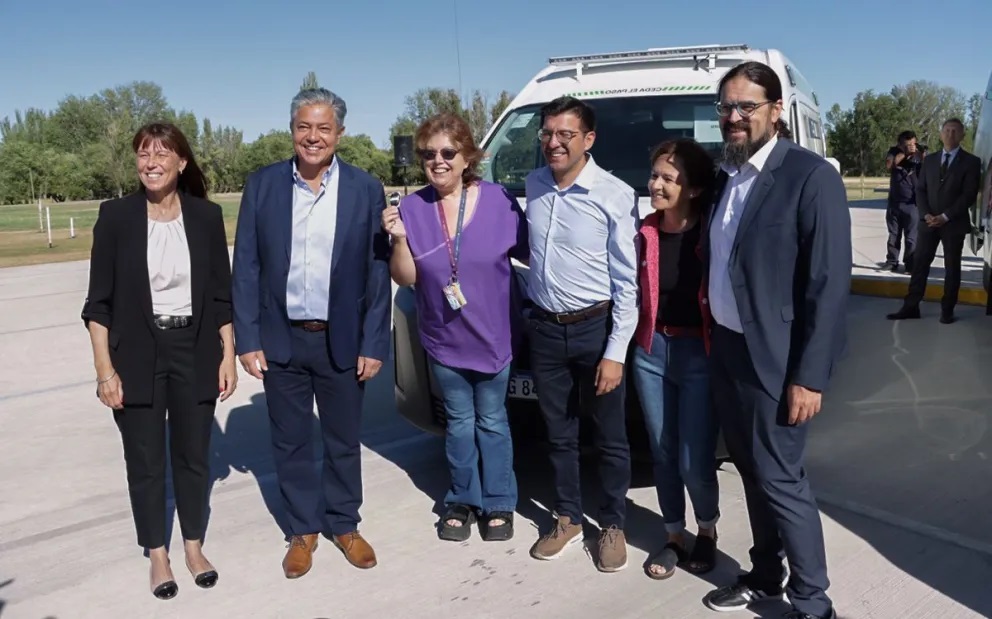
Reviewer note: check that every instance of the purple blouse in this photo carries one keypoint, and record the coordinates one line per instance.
(480, 335)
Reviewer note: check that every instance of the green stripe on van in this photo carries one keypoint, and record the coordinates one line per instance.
(643, 90)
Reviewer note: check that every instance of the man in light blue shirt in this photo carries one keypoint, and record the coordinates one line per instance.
(314, 215)
(583, 282)
(312, 320)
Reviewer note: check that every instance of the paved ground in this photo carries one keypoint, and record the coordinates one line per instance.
(870, 236)
(900, 459)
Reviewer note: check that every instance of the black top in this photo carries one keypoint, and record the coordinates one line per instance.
(902, 179)
(680, 274)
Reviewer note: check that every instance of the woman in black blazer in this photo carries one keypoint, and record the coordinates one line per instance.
(158, 313)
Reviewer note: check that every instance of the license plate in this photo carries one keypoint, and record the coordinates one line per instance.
(522, 387)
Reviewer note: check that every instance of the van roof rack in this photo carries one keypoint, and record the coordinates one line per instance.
(657, 53)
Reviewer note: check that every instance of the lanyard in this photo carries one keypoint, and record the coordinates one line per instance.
(453, 251)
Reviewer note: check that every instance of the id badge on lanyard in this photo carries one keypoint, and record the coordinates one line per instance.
(453, 291)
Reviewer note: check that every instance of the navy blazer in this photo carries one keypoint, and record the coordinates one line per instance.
(119, 296)
(360, 306)
(790, 268)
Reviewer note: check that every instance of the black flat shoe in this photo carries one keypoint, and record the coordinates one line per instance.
(206, 579)
(167, 590)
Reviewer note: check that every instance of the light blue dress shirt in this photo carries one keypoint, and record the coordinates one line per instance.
(308, 286)
(583, 247)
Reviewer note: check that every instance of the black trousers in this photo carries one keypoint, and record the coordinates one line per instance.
(564, 360)
(143, 432)
(926, 250)
(327, 500)
(902, 220)
(768, 454)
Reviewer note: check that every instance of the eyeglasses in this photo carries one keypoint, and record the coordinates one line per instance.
(429, 155)
(745, 108)
(564, 135)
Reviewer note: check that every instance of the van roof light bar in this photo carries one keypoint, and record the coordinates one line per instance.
(652, 54)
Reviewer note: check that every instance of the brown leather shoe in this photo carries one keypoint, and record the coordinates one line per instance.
(358, 552)
(299, 557)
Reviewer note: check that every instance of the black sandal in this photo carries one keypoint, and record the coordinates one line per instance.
(703, 557)
(461, 532)
(500, 532)
(672, 555)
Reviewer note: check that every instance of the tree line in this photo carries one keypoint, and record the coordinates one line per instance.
(860, 136)
(82, 149)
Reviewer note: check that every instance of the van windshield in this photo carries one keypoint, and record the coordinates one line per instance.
(628, 129)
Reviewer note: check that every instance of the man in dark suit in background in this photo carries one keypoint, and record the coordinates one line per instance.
(779, 256)
(312, 310)
(946, 189)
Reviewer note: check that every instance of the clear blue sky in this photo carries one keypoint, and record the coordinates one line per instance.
(240, 64)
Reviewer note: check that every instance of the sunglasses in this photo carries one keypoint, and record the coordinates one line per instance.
(429, 155)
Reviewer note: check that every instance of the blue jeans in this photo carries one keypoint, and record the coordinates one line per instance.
(478, 434)
(673, 385)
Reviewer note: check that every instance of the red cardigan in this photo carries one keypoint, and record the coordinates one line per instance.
(647, 277)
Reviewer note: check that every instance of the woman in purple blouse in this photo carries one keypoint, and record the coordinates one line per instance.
(454, 239)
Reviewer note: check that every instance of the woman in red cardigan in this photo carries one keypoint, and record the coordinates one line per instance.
(670, 365)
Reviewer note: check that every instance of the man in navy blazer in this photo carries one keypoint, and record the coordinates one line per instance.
(312, 316)
(779, 259)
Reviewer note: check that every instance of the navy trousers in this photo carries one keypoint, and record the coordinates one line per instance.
(768, 454)
(327, 500)
(564, 360)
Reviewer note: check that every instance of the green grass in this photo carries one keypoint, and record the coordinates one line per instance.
(21, 242)
(24, 217)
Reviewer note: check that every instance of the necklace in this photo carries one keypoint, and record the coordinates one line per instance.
(164, 213)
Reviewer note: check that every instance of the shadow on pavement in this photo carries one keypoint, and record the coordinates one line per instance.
(243, 446)
(427, 469)
(903, 442)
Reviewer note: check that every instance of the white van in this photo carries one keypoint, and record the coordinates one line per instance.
(640, 99)
(982, 212)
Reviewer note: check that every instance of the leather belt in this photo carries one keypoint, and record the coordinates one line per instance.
(567, 318)
(164, 322)
(311, 326)
(670, 331)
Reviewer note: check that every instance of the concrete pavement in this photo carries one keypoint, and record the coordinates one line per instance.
(869, 235)
(899, 458)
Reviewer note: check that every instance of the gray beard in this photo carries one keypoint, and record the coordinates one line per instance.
(736, 155)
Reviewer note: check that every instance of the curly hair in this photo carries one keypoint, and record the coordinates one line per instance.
(460, 133)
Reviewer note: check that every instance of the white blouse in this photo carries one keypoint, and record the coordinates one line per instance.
(168, 267)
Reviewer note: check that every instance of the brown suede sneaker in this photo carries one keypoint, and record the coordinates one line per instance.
(299, 557)
(554, 543)
(612, 550)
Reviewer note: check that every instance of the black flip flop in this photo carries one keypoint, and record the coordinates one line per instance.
(501, 532)
(459, 533)
(669, 558)
(703, 555)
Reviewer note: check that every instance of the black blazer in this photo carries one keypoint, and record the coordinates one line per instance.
(120, 298)
(956, 195)
(790, 268)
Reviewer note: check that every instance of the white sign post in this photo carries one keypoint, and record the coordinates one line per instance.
(72, 228)
(48, 219)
